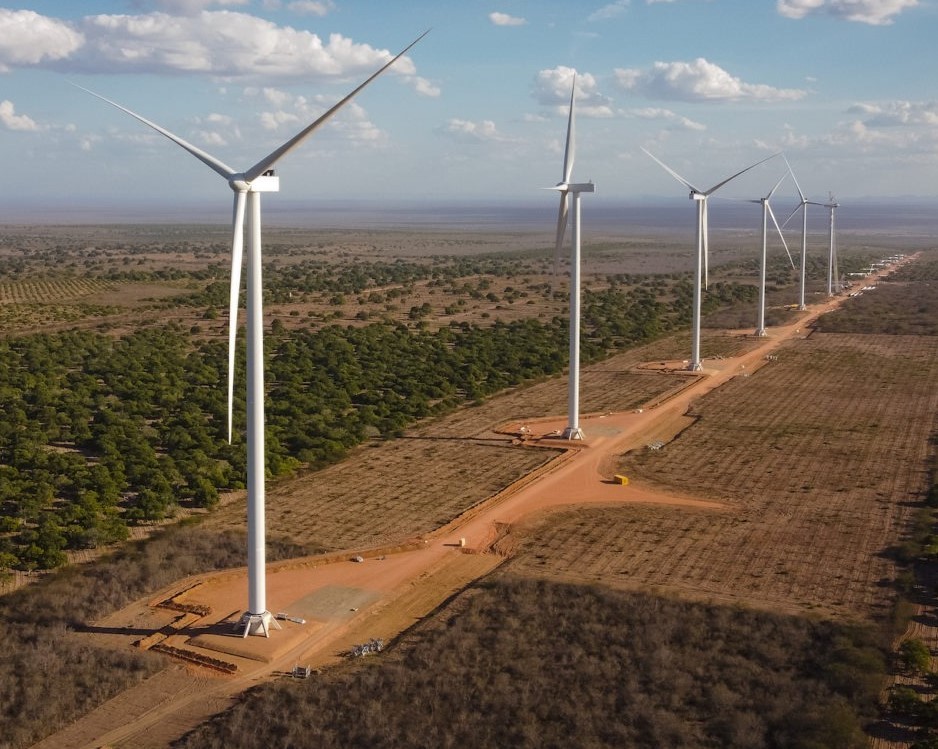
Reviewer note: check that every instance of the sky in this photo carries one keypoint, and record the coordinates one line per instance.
(476, 111)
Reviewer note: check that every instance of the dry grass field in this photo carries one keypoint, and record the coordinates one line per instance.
(390, 491)
(820, 455)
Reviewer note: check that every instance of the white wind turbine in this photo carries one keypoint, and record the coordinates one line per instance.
(571, 190)
(802, 206)
(247, 187)
(766, 212)
(701, 196)
(832, 271)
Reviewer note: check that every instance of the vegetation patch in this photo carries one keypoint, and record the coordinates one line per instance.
(50, 673)
(531, 663)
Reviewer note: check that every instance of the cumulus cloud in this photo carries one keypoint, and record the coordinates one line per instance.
(897, 113)
(188, 7)
(466, 131)
(13, 121)
(611, 10)
(290, 112)
(222, 43)
(699, 80)
(226, 44)
(873, 12)
(503, 19)
(898, 131)
(552, 88)
(27, 38)
(672, 120)
(423, 87)
(311, 7)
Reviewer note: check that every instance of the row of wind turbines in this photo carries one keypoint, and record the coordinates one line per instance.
(570, 192)
(248, 185)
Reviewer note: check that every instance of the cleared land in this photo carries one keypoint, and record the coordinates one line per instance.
(821, 466)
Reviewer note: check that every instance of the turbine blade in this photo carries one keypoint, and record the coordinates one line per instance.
(268, 161)
(206, 158)
(780, 235)
(794, 179)
(780, 180)
(569, 150)
(670, 171)
(237, 254)
(561, 232)
(742, 171)
(797, 208)
(706, 244)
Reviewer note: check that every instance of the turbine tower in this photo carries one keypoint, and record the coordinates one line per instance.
(832, 256)
(766, 212)
(571, 191)
(700, 197)
(802, 206)
(248, 186)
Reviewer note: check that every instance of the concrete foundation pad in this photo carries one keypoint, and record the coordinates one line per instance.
(226, 638)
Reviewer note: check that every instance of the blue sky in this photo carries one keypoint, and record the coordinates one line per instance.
(477, 109)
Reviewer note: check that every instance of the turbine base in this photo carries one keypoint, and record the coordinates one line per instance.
(257, 624)
(761, 333)
(573, 433)
(694, 366)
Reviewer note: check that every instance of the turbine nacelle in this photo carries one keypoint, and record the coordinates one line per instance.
(267, 182)
(574, 187)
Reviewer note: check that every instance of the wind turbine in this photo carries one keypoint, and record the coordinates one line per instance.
(571, 190)
(802, 206)
(701, 196)
(832, 256)
(248, 186)
(766, 212)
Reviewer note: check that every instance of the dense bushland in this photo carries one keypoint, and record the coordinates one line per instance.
(49, 675)
(530, 663)
(102, 432)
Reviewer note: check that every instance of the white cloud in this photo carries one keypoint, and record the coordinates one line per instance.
(466, 131)
(190, 7)
(898, 113)
(699, 80)
(503, 19)
(674, 120)
(276, 120)
(552, 88)
(873, 12)
(226, 44)
(27, 38)
(294, 112)
(13, 121)
(211, 138)
(611, 10)
(899, 132)
(311, 7)
(424, 87)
